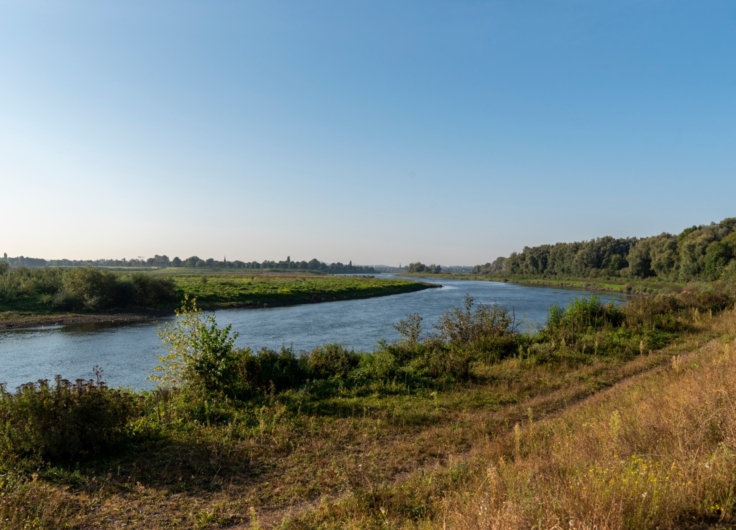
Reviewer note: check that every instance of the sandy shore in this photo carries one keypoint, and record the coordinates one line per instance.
(34, 321)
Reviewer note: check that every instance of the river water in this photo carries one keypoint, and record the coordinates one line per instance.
(128, 352)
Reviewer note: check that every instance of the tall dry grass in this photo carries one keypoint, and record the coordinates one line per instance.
(659, 452)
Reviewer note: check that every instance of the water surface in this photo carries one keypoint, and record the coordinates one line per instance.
(128, 352)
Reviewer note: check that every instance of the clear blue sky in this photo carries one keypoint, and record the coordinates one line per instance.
(377, 132)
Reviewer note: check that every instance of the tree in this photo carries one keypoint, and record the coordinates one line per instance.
(201, 354)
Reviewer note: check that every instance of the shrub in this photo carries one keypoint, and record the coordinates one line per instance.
(377, 366)
(150, 291)
(94, 288)
(201, 355)
(330, 361)
(269, 370)
(64, 300)
(451, 361)
(410, 328)
(583, 315)
(64, 420)
(203, 358)
(463, 325)
(86, 288)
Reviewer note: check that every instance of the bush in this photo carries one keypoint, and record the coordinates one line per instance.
(63, 421)
(330, 361)
(63, 300)
(450, 361)
(269, 370)
(583, 315)
(94, 288)
(464, 326)
(86, 288)
(150, 291)
(201, 355)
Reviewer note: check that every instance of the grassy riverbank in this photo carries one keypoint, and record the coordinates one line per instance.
(469, 428)
(603, 284)
(64, 296)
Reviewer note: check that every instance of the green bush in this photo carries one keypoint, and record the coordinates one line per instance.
(381, 365)
(270, 371)
(151, 291)
(94, 288)
(451, 361)
(64, 420)
(203, 357)
(583, 315)
(85, 288)
(466, 325)
(330, 361)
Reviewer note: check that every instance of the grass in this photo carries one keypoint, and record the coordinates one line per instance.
(612, 284)
(658, 452)
(24, 303)
(217, 291)
(513, 445)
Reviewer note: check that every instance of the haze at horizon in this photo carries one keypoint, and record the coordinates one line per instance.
(445, 132)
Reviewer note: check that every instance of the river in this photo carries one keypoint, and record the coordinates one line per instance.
(127, 353)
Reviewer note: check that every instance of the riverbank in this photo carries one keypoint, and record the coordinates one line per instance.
(13, 320)
(614, 285)
(382, 439)
(214, 291)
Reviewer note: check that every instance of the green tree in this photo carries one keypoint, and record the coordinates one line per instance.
(200, 354)
(717, 256)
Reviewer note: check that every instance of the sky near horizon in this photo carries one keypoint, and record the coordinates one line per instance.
(380, 132)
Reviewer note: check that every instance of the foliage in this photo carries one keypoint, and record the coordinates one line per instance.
(83, 288)
(195, 261)
(703, 252)
(293, 427)
(64, 420)
(260, 290)
(657, 453)
(270, 371)
(585, 314)
(421, 267)
(201, 354)
(330, 361)
(410, 328)
(47, 290)
(465, 325)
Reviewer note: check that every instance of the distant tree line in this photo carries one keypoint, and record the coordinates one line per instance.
(706, 252)
(421, 267)
(193, 261)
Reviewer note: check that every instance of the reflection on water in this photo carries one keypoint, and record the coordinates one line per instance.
(127, 352)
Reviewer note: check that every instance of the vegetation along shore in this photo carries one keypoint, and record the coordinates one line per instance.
(469, 423)
(44, 296)
(665, 263)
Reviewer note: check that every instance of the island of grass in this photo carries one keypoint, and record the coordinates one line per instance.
(33, 297)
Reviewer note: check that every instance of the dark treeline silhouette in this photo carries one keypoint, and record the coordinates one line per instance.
(193, 261)
(705, 252)
(421, 267)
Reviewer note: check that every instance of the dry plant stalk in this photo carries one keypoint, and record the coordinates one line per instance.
(657, 453)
